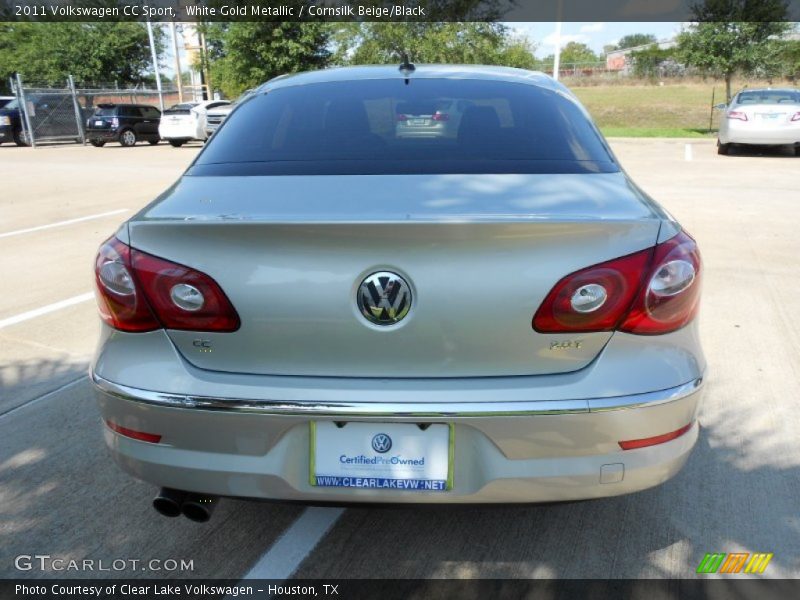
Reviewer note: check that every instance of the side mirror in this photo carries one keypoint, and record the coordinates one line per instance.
(721, 106)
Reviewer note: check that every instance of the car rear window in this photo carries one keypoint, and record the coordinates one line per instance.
(769, 97)
(106, 111)
(180, 109)
(393, 127)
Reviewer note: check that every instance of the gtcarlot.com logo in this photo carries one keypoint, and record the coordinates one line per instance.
(736, 562)
(46, 562)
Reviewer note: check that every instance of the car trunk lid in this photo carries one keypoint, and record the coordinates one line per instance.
(479, 252)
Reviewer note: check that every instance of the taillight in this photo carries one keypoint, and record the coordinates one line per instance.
(402, 117)
(115, 122)
(182, 297)
(796, 116)
(671, 296)
(593, 299)
(653, 291)
(734, 114)
(441, 117)
(138, 292)
(119, 299)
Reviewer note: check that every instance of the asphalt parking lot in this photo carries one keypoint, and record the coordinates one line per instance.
(60, 494)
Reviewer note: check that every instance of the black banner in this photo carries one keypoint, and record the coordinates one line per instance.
(397, 10)
(735, 586)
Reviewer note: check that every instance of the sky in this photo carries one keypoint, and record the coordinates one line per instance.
(595, 35)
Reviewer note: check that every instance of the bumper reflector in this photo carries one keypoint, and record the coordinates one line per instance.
(653, 441)
(133, 434)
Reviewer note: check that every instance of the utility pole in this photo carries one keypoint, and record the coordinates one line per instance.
(155, 65)
(178, 74)
(557, 53)
(205, 70)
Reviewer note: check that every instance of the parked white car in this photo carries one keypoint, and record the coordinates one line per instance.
(184, 122)
(761, 117)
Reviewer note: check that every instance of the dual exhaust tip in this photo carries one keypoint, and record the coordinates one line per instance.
(195, 507)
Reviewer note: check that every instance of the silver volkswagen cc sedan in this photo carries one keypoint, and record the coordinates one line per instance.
(320, 310)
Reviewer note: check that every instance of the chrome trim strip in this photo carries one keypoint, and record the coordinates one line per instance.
(410, 409)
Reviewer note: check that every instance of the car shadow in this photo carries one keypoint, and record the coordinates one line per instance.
(758, 151)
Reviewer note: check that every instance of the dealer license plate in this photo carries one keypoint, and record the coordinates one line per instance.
(386, 456)
(98, 123)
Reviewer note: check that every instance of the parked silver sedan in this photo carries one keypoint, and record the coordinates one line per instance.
(324, 311)
(762, 117)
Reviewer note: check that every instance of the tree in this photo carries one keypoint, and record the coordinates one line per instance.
(46, 53)
(245, 54)
(732, 36)
(432, 42)
(575, 52)
(632, 40)
(789, 54)
(647, 62)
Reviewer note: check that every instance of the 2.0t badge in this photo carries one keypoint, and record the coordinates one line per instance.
(384, 298)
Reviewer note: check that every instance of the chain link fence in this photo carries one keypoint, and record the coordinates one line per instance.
(50, 114)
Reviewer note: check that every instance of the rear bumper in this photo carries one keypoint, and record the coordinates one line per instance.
(105, 135)
(766, 137)
(181, 131)
(505, 452)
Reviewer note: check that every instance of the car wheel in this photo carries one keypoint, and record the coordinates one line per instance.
(723, 149)
(153, 142)
(97, 143)
(127, 138)
(21, 138)
(176, 143)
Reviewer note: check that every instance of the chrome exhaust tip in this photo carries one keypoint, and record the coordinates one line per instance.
(168, 502)
(198, 507)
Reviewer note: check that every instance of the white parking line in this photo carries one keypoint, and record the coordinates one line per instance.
(38, 312)
(295, 544)
(62, 223)
(42, 397)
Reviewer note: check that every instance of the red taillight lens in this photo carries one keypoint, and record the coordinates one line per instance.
(152, 438)
(671, 297)
(653, 291)
(138, 292)
(115, 122)
(182, 297)
(402, 117)
(655, 440)
(593, 299)
(441, 117)
(734, 114)
(119, 299)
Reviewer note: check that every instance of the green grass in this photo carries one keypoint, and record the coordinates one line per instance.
(671, 110)
(665, 132)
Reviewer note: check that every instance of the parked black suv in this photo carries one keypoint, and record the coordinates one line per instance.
(51, 114)
(123, 123)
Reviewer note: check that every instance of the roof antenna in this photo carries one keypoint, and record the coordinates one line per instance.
(406, 67)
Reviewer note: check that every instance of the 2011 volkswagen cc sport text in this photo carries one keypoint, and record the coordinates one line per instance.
(328, 308)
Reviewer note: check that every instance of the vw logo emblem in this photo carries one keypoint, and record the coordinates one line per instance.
(381, 443)
(384, 298)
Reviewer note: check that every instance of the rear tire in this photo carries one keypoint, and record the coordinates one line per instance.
(97, 143)
(127, 138)
(723, 149)
(176, 143)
